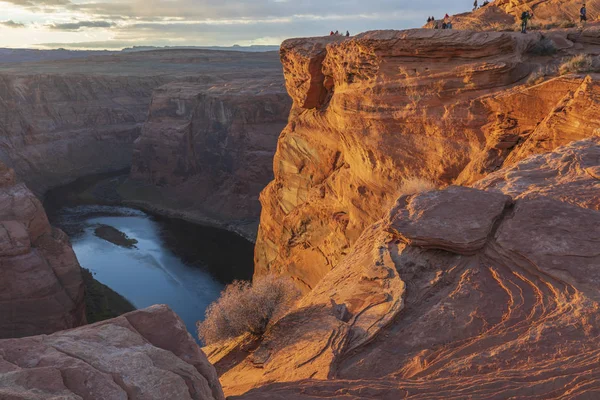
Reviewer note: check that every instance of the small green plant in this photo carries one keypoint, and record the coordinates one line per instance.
(577, 64)
(246, 307)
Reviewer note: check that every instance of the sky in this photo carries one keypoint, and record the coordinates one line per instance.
(115, 24)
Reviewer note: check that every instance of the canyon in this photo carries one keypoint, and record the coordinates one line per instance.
(149, 111)
(435, 195)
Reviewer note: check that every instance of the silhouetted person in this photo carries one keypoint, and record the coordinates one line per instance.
(475, 5)
(337, 33)
(583, 14)
(347, 33)
(525, 17)
(428, 19)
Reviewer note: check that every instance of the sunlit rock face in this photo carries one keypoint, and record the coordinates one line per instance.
(146, 354)
(41, 288)
(491, 291)
(506, 14)
(207, 150)
(373, 110)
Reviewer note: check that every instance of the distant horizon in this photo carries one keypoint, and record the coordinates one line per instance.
(116, 24)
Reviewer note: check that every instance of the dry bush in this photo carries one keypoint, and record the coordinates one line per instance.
(536, 77)
(567, 24)
(246, 307)
(416, 185)
(578, 63)
(503, 27)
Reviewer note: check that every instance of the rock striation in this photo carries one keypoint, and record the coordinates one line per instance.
(506, 14)
(206, 151)
(67, 119)
(514, 314)
(383, 108)
(41, 288)
(146, 354)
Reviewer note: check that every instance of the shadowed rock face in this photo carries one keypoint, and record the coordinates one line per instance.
(56, 128)
(41, 289)
(373, 110)
(66, 119)
(514, 316)
(206, 151)
(146, 354)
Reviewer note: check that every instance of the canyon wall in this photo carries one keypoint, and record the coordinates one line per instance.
(146, 354)
(56, 128)
(376, 111)
(206, 151)
(41, 288)
(486, 292)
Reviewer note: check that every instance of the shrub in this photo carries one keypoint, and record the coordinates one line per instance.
(416, 185)
(567, 24)
(536, 77)
(246, 307)
(578, 63)
(544, 47)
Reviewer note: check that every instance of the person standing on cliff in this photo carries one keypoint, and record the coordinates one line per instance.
(475, 5)
(583, 14)
(525, 17)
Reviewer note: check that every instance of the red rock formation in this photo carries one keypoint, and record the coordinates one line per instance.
(66, 119)
(41, 289)
(458, 292)
(146, 354)
(446, 106)
(505, 14)
(206, 151)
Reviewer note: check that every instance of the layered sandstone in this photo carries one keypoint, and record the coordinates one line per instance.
(206, 151)
(66, 119)
(146, 354)
(375, 110)
(458, 292)
(41, 288)
(505, 14)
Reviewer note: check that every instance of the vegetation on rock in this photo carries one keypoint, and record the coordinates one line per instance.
(246, 307)
(101, 302)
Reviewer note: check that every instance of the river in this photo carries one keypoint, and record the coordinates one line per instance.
(168, 262)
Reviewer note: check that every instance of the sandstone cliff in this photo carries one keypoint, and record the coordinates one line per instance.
(41, 289)
(65, 119)
(56, 128)
(206, 151)
(456, 293)
(146, 354)
(375, 110)
(506, 14)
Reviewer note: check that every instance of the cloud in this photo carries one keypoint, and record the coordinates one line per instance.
(212, 22)
(38, 3)
(12, 24)
(75, 26)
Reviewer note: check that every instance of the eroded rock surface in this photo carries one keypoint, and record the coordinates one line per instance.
(146, 354)
(206, 150)
(66, 119)
(515, 316)
(41, 289)
(384, 107)
(506, 14)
